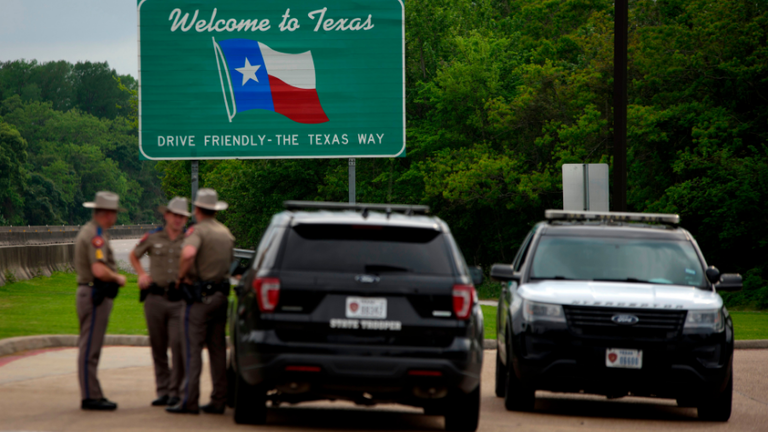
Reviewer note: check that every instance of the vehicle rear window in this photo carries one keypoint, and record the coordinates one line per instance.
(617, 259)
(366, 249)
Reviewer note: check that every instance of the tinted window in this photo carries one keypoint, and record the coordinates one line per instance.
(654, 261)
(366, 249)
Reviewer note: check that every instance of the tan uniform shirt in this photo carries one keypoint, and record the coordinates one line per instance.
(91, 246)
(215, 251)
(163, 254)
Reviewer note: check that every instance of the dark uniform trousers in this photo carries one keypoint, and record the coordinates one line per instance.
(205, 324)
(164, 325)
(93, 327)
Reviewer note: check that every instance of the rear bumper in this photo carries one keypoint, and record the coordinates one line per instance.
(344, 371)
(687, 366)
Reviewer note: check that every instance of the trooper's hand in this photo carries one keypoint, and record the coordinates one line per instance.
(145, 281)
(120, 280)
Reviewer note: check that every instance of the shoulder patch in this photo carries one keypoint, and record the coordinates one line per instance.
(144, 238)
(97, 241)
(189, 232)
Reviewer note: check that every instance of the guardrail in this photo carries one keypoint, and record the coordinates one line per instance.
(57, 234)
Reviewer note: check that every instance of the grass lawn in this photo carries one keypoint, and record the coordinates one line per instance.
(746, 325)
(46, 305)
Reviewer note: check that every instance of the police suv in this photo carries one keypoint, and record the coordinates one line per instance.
(368, 303)
(614, 304)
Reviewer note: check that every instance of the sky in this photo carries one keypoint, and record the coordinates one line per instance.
(72, 30)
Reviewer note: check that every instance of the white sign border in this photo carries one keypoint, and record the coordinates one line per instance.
(138, 39)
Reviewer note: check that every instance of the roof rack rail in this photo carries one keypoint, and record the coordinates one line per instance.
(365, 208)
(571, 215)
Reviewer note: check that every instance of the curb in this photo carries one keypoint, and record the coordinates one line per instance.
(28, 343)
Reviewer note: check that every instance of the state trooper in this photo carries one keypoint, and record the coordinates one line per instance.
(204, 280)
(97, 284)
(162, 301)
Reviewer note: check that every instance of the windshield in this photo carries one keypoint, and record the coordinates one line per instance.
(366, 249)
(617, 259)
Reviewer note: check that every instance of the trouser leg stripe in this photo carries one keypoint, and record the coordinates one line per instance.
(88, 347)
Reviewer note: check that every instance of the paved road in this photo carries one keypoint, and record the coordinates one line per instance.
(122, 248)
(38, 392)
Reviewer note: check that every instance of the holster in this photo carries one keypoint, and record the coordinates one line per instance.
(103, 290)
(199, 291)
(158, 290)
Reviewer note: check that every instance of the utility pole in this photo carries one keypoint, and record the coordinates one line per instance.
(351, 180)
(620, 30)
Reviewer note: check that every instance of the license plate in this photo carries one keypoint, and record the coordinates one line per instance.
(366, 307)
(623, 358)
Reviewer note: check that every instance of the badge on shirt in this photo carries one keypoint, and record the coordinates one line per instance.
(99, 254)
(97, 241)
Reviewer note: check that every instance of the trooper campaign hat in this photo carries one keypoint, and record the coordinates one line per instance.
(177, 206)
(105, 201)
(209, 199)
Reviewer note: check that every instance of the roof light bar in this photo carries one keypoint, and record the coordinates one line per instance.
(388, 208)
(669, 219)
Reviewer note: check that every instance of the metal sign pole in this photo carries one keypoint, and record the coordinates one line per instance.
(351, 180)
(194, 179)
(620, 106)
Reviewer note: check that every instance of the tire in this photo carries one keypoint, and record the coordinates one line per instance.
(501, 377)
(250, 403)
(717, 406)
(464, 412)
(517, 396)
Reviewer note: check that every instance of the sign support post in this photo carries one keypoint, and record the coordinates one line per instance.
(351, 180)
(620, 106)
(194, 179)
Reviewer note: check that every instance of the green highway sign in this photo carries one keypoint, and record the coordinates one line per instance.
(243, 79)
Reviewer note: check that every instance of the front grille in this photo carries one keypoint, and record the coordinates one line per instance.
(652, 324)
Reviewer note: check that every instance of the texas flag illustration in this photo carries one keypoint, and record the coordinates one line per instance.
(259, 77)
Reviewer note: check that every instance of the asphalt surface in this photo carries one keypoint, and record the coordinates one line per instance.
(39, 392)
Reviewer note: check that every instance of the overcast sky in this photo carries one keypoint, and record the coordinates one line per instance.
(72, 30)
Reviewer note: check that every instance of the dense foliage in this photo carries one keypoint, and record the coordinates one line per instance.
(66, 131)
(501, 93)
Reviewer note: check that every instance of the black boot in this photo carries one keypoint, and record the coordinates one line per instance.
(173, 401)
(98, 405)
(181, 409)
(161, 401)
(212, 409)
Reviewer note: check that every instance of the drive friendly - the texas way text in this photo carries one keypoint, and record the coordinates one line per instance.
(260, 140)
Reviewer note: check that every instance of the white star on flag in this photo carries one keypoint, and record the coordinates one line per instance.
(248, 71)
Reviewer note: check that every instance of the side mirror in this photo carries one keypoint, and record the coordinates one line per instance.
(729, 282)
(713, 274)
(504, 273)
(477, 275)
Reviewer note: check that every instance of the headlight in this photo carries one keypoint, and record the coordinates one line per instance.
(705, 320)
(535, 311)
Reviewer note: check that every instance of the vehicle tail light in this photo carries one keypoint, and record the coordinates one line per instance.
(419, 372)
(463, 298)
(267, 293)
(297, 368)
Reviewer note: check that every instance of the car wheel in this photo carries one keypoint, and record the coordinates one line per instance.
(464, 412)
(717, 406)
(518, 396)
(250, 403)
(501, 376)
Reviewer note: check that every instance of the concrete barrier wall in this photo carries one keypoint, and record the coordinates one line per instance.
(26, 262)
(39, 235)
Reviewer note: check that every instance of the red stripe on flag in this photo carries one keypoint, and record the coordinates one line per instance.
(299, 105)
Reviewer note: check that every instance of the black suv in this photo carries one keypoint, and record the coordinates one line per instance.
(369, 303)
(614, 304)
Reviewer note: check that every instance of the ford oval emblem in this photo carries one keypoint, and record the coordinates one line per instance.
(625, 319)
